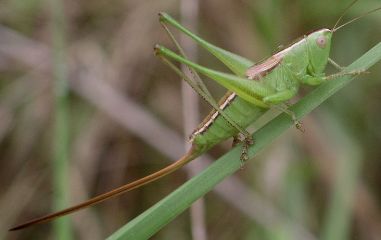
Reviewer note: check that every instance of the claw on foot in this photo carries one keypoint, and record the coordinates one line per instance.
(236, 141)
(299, 126)
(245, 150)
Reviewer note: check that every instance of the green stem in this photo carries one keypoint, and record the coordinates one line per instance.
(62, 228)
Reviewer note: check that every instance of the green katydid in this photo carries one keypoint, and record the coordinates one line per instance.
(252, 91)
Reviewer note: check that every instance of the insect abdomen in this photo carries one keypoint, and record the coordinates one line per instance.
(215, 128)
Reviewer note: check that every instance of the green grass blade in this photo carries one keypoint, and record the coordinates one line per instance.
(60, 179)
(347, 167)
(156, 217)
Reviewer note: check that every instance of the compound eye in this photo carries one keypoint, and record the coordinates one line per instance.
(321, 41)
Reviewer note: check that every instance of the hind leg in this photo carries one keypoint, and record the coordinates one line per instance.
(246, 143)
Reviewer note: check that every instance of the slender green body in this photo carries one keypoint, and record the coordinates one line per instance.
(292, 69)
(254, 88)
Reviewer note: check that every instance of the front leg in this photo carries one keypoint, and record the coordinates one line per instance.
(317, 80)
(341, 74)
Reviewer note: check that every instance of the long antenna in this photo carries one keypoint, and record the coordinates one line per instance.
(356, 18)
(344, 12)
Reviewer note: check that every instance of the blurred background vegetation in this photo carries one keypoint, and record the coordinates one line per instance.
(86, 107)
